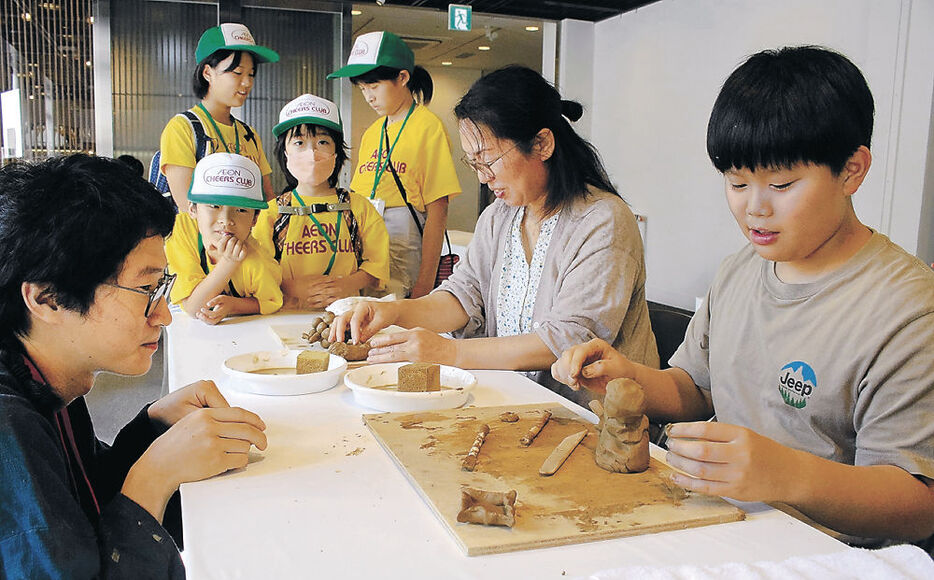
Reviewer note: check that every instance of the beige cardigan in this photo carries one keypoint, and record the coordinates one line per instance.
(592, 285)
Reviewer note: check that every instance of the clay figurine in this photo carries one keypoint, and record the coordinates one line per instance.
(623, 446)
(491, 508)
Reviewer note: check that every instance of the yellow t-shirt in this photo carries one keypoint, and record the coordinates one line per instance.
(422, 158)
(306, 251)
(177, 143)
(257, 277)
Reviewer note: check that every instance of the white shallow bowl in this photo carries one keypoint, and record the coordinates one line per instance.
(243, 369)
(364, 382)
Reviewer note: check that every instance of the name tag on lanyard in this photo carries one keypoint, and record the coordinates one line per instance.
(379, 204)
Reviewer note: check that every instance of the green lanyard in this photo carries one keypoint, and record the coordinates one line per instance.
(337, 231)
(381, 167)
(218, 131)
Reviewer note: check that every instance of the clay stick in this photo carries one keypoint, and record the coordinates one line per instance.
(470, 462)
(535, 429)
(561, 452)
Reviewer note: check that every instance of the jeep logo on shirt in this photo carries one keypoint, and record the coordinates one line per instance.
(796, 383)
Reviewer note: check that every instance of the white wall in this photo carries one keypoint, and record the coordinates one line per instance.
(450, 84)
(657, 71)
(575, 69)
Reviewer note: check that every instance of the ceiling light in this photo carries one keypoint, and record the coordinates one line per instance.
(27, 16)
(356, 12)
(446, 63)
(483, 47)
(90, 20)
(87, 63)
(532, 28)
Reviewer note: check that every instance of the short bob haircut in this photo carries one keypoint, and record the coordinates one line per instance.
(420, 83)
(68, 223)
(793, 105)
(515, 103)
(305, 130)
(199, 85)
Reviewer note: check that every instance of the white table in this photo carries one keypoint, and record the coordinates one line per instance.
(324, 500)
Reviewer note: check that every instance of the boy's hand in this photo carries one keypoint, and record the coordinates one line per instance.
(732, 461)
(216, 309)
(171, 408)
(232, 250)
(364, 320)
(591, 365)
(415, 345)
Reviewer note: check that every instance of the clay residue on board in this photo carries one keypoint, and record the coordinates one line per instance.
(580, 492)
(356, 451)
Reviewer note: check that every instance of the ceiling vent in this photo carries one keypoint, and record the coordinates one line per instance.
(417, 43)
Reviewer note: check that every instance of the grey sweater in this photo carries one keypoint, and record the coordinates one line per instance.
(592, 285)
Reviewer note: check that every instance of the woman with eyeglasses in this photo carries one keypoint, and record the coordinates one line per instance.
(405, 165)
(555, 261)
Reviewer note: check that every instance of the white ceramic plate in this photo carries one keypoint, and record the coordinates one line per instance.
(365, 382)
(273, 373)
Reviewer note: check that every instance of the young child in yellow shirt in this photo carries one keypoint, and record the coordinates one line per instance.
(329, 242)
(221, 270)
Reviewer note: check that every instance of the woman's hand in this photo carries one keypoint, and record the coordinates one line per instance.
(732, 461)
(364, 320)
(171, 408)
(415, 345)
(591, 365)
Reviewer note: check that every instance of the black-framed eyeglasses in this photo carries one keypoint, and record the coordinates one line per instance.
(162, 288)
(485, 168)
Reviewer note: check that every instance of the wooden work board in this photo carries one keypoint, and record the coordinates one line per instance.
(579, 503)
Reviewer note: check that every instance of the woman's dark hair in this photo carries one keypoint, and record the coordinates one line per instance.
(420, 82)
(199, 85)
(803, 104)
(69, 223)
(515, 103)
(304, 130)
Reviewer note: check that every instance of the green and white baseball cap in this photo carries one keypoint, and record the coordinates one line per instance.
(375, 49)
(230, 36)
(227, 179)
(308, 109)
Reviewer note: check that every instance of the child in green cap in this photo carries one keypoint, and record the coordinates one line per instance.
(228, 59)
(221, 270)
(412, 190)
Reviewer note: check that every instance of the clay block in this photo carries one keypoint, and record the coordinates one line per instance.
(419, 377)
(311, 361)
(349, 352)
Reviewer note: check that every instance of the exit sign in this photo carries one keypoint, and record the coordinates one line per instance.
(459, 17)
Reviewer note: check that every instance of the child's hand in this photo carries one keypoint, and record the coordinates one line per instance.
(732, 461)
(327, 289)
(216, 309)
(591, 365)
(232, 249)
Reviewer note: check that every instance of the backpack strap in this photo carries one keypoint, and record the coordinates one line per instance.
(343, 196)
(201, 138)
(247, 131)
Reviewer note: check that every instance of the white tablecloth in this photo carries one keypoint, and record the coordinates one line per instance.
(324, 500)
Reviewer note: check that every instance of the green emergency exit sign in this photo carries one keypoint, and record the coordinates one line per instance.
(459, 17)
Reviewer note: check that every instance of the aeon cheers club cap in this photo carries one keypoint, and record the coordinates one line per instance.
(229, 36)
(375, 49)
(308, 109)
(227, 179)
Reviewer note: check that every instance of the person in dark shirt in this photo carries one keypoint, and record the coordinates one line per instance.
(82, 290)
